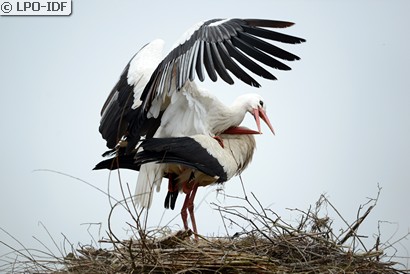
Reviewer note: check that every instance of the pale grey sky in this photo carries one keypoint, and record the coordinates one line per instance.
(341, 116)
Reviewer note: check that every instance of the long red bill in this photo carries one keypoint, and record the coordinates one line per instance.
(256, 116)
(240, 130)
(265, 118)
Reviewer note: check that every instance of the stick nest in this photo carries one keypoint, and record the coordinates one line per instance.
(263, 243)
(250, 253)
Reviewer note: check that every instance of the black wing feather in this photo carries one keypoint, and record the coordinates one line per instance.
(194, 61)
(258, 55)
(268, 23)
(126, 161)
(233, 67)
(209, 63)
(268, 48)
(219, 65)
(273, 35)
(248, 63)
(200, 60)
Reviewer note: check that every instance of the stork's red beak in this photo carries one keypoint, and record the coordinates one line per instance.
(260, 113)
(240, 130)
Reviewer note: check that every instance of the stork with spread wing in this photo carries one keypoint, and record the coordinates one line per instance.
(156, 96)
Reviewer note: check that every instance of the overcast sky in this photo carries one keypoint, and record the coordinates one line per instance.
(341, 116)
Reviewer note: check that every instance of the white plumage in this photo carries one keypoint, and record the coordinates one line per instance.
(157, 97)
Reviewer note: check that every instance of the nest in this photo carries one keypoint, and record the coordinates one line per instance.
(250, 253)
(264, 243)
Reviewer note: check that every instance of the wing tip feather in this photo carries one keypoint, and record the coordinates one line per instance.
(269, 23)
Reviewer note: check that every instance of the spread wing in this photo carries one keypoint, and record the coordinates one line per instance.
(215, 45)
(218, 47)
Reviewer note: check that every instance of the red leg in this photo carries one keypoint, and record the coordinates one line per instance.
(186, 188)
(184, 213)
(190, 206)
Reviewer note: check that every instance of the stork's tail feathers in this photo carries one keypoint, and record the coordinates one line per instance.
(150, 177)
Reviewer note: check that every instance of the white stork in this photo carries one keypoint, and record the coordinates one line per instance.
(190, 162)
(157, 97)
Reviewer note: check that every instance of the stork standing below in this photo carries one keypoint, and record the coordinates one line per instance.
(157, 97)
(190, 162)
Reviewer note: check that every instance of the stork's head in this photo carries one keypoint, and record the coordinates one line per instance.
(256, 106)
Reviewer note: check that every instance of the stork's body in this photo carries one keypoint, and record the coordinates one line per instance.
(197, 161)
(157, 97)
(189, 163)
